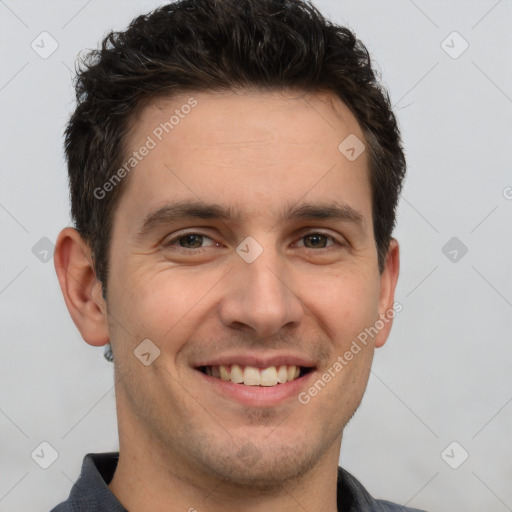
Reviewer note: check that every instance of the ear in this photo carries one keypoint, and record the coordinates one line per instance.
(388, 280)
(80, 287)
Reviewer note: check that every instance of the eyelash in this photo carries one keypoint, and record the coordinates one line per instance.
(171, 243)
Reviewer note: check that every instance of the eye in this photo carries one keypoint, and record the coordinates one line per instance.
(317, 240)
(189, 241)
(195, 242)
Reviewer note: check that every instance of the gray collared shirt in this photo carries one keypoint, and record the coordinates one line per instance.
(91, 493)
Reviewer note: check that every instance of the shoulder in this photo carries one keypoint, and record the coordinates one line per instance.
(63, 507)
(91, 491)
(353, 497)
(387, 506)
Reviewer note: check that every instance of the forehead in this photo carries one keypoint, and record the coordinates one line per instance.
(251, 150)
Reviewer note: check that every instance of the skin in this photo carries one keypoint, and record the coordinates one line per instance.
(183, 444)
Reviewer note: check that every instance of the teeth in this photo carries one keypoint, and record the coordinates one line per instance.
(224, 374)
(252, 376)
(282, 374)
(268, 376)
(237, 375)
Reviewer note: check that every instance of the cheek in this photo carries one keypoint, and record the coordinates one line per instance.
(348, 302)
(164, 304)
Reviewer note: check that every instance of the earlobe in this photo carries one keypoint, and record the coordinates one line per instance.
(80, 287)
(389, 279)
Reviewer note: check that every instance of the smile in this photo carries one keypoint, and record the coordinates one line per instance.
(254, 376)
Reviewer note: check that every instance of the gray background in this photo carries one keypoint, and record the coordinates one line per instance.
(445, 374)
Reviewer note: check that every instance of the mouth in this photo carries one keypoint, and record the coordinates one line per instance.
(246, 375)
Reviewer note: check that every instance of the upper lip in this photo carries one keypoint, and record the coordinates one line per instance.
(257, 360)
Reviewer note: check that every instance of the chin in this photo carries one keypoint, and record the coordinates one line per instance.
(260, 466)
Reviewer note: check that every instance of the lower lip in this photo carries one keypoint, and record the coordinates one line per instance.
(262, 396)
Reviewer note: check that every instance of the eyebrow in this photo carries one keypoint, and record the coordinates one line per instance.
(183, 210)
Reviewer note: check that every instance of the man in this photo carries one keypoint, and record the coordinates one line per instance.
(234, 171)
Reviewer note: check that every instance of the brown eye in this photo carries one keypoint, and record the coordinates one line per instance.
(189, 241)
(318, 241)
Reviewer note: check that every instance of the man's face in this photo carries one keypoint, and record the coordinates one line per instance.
(263, 287)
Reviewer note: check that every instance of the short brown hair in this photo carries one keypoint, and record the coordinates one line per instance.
(201, 45)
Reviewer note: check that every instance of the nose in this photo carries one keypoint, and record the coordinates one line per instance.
(260, 296)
